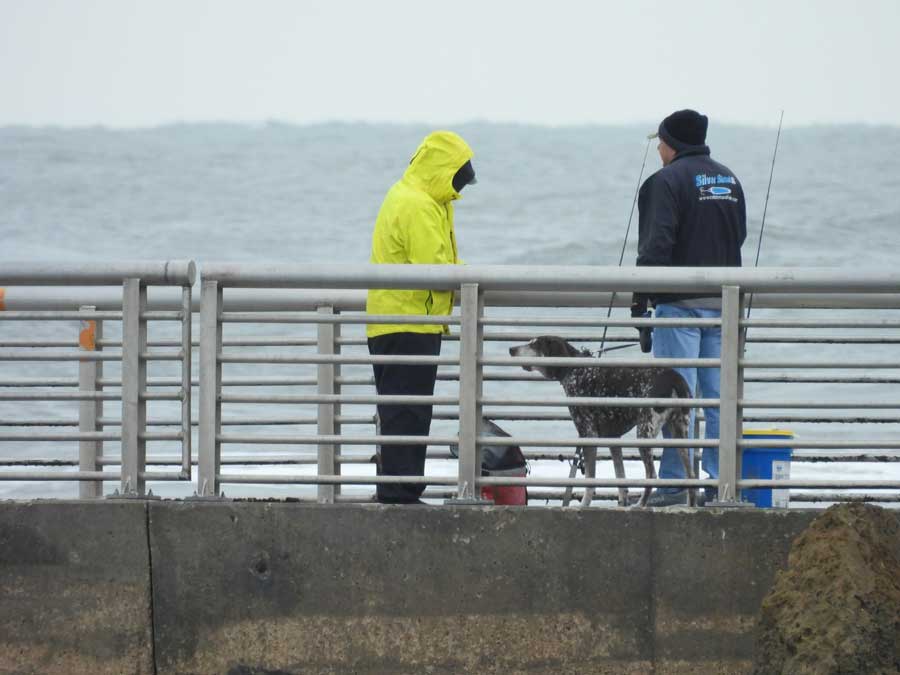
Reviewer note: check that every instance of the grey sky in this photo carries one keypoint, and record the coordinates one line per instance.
(136, 63)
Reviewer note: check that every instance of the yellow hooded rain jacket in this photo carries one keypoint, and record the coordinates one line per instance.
(415, 226)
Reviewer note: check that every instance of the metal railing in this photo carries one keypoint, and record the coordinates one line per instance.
(92, 352)
(523, 287)
(317, 313)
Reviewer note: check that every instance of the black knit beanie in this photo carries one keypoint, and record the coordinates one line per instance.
(683, 129)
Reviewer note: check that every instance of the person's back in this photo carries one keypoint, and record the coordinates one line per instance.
(692, 213)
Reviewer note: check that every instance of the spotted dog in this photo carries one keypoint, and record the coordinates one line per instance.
(613, 422)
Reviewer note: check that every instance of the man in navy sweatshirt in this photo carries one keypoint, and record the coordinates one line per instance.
(692, 213)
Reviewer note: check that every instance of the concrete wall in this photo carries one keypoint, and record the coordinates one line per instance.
(254, 588)
(74, 588)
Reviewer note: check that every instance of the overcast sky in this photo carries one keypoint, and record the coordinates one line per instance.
(137, 63)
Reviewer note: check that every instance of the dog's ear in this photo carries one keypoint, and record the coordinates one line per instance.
(560, 347)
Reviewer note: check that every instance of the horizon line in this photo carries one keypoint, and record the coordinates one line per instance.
(416, 123)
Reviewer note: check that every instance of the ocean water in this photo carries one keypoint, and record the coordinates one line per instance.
(300, 194)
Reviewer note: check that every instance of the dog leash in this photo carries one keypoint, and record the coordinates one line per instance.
(610, 349)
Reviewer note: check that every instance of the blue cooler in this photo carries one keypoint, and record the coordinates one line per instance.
(766, 463)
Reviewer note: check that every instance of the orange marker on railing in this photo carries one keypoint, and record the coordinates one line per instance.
(2, 299)
(87, 338)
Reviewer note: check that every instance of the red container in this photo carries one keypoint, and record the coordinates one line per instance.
(505, 495)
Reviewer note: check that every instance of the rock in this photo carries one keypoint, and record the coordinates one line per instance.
(836, 608)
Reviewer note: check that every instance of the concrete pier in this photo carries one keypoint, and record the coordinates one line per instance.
(256, 587)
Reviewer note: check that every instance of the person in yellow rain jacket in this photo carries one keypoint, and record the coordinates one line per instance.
(414, 226)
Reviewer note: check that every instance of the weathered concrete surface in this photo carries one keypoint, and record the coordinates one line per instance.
(246, 588)
(74, 591)
(711, 570)
(264, 588)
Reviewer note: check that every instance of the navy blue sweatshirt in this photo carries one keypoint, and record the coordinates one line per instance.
(692, 213)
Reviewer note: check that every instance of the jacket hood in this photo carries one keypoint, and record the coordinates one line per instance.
(436, 161)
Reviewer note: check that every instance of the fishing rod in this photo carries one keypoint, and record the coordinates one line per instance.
(637, 189)
(762, 226)
(578, 460)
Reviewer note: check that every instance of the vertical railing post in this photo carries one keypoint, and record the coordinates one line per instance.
(89, 411)
(134, 386)
(730, 394)
(470, 390)
(186, 374)
(210, 389)
(325, 378)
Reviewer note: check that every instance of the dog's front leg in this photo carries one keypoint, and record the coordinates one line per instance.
(685, 455)
(590, 471)
(619, 467)
(649, 472)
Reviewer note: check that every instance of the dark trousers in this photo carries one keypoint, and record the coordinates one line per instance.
(404, 420)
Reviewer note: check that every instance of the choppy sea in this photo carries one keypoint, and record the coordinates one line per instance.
(299, 194)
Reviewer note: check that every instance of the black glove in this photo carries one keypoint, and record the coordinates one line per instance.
(638, 306)
(639, 311)
(646, 337)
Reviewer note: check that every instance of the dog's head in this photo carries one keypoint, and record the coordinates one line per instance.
(544, 346)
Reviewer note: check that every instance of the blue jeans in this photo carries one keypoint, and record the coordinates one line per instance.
(691, 343)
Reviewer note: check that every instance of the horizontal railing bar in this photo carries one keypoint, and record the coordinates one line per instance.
(747, 484)
(161, 395)
(60, 396)
(446, 440)
(593, 322)
(820, 379)
(161, 435)
(332, 480)
(261, 299)
(820, 323)
(613, 495)
(257, 357)
(558, 278)
(66, 274)
(31, 343)
(85, 396)
(37, 422)
(150, 343)
(285, 317)
(61, 436)
(162, 356)
(163, 476)
(59, 475)
(836, 419)
(598, 482)
(596, 401)
(59, 316)
(40, 382)
(866, 365)
(58, 356)
(882, 444)
(449, 480)
(827, 341)
(603, 455)
(586, 361)
(162, 316)
(881, 404)
(335, 439)
(248, 421)
(351, 399)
